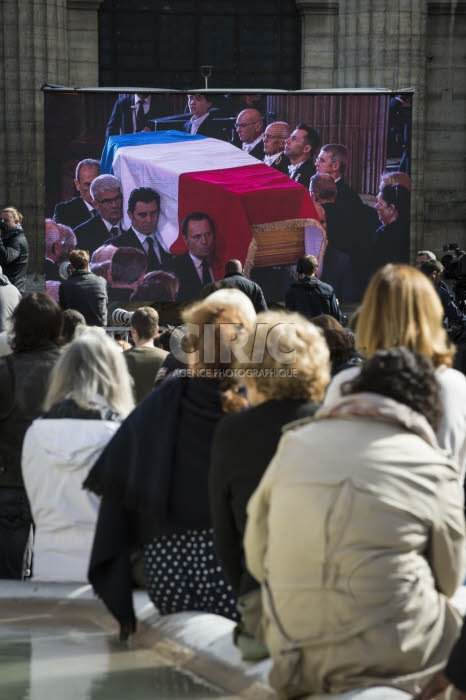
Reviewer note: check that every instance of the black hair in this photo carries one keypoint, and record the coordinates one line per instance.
(142, 194)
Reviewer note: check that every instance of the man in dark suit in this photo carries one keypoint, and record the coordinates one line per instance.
(108, 202)
(193, 268)
(355, 223)
(301, 148)
(275, 136)
(202, 122)
(79, 209)
(143, 211)
(250, 128)
(134, 113)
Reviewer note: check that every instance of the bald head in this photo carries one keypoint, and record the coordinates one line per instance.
(233, 267)
(274, 137)
(323, 188)
(249, 125)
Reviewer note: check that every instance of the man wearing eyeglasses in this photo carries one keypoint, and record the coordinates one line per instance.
(250, 129)
(274, 144)
(108, 202)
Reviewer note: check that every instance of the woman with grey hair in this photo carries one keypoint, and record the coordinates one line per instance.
(89, 395)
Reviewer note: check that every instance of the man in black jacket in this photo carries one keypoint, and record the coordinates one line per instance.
(108, 201)
(76, 211)
(84, 291)
(301, 148)
(309, 296)
(234, 274)
(134, 113)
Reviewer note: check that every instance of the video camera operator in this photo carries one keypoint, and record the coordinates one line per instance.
(14, 248)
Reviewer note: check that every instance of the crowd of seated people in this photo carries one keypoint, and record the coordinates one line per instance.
(321, 510)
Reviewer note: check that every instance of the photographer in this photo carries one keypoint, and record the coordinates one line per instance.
(452, 315)
(14, 248)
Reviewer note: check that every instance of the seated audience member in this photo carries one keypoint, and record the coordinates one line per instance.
(433, 269)
(274, 138)
(127, 271)
(340, 342)
(234, 274)
(135, 113)
(392, 237)
(143, 234)
(202, 121)
(158, 285)
(59, 242)
(412, 317)
(280, 392)
(144, 359)
(108, 202)
(148, 475)
(309, 296)
(337, 269)
(10, 297)
(395, 178)
(353, 223)
(301, 149)
(250, 129)
(24, 378)
(80, 209)
(88, 396)
(14, 248)
(357, 535)
(100, 262)
(72, 320)
(194, 267)
(84, 291)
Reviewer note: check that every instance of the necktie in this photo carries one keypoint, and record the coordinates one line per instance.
(93, 212)
(206, 278)
(140, 116)
(114, 231)
(153, 262)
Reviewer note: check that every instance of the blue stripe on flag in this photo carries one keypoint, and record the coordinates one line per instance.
(143, 138)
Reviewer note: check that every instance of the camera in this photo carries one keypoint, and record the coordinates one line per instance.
(3, 227)
(121, 317)
(65, 270)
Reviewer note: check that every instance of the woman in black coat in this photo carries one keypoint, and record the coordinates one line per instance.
(153, 479)
(283, 386)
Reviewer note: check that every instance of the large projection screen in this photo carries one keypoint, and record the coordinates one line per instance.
(263, 215)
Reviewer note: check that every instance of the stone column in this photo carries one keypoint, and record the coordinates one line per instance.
(373, 44)
(36, 48)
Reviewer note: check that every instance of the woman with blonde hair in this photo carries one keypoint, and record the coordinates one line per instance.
(401, 308)
(153, 478)
(286, 382)
(88, 396)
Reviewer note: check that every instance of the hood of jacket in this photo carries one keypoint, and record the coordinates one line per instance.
(382, 408)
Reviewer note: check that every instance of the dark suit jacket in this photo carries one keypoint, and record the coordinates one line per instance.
(304, 173)
(190, 284)
(258, 151)
(281, 164)
(72, 213)
(91, 235)
(129, 239)
(250, 288)
(209, 127)
(121, 119)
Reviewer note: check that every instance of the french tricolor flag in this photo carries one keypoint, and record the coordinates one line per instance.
(197, 173)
